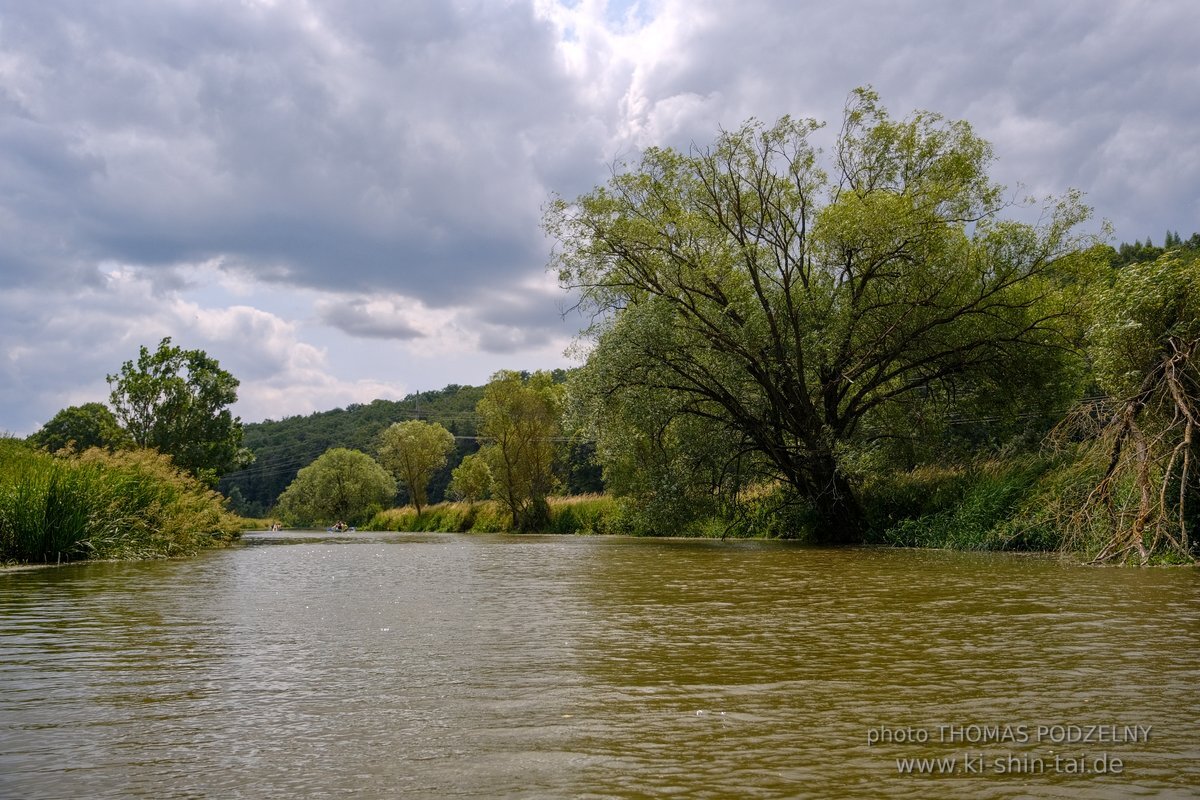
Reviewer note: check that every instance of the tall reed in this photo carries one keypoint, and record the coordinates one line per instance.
(131, 504)
(579, 514)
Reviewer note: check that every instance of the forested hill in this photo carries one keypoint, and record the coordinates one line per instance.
(281, 448)
(1139, 252)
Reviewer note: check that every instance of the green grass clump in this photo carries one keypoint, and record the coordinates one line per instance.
(587, 514)
(442, 517)
(102, 505)
(983, 506)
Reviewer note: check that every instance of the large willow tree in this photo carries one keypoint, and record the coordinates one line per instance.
(799, 300)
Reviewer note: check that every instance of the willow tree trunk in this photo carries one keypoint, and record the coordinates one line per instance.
(841, 515)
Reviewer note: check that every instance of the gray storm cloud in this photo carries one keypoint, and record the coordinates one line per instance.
(354, 150)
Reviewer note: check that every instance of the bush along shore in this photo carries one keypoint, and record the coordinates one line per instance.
(1022, 503)
(129, 504)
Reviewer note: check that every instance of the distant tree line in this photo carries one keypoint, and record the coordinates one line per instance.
(1136, 252)
(520, 459)
(282, 448)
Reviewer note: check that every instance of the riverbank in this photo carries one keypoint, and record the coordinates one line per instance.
(579, 514)
(1026, 503)
(136, 505)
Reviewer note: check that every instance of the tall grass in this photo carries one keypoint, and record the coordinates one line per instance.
(988, 505)
(588, 514)
(103, 505)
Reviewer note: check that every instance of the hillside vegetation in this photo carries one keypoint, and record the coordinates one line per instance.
(282, 447)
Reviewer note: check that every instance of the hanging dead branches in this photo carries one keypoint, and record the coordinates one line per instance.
(1142, 500)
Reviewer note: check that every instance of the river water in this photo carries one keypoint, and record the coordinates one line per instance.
(383, 666)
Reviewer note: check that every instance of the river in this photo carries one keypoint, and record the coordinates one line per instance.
(306, 665)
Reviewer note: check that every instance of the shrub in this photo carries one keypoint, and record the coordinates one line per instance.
(981, 506)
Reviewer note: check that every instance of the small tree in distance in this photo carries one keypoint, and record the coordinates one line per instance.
(413, 451)
(342, 485)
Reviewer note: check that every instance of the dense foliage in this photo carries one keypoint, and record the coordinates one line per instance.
(100, 504)
(471, 480)
(413, 451)
(520, 419)
(1144, 345)
(177, 402)
(792, 308)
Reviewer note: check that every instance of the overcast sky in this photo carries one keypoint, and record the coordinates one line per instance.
(340, 201)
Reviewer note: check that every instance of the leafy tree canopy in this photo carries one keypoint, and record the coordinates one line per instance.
(341, 485)
(520, 417)
(177, 401)
(413, 451)
(795, 298)
(81, 427)
(472, 479)
(1149, 315)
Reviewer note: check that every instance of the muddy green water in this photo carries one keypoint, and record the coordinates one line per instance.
(382, 666)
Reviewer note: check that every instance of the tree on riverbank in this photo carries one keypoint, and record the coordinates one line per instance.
(471, 480)
(177, 401)
(520, 418)
(797, 306)
(341, 485)
(413, 451)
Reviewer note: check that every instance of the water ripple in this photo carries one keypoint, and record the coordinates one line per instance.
(489, 666)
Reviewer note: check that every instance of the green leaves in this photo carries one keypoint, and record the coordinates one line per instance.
(413, 451)
(794, 300)
(471, 480)
(81, 427)
(342, 485)
(1149, 309)
(176, 401)
(521, 421)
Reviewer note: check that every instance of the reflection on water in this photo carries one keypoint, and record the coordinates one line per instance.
(320, 665)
